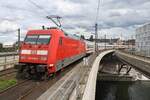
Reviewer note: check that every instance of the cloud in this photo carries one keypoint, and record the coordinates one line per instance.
(115, 17)
(79, 32)
(117, 32)
(8, 26)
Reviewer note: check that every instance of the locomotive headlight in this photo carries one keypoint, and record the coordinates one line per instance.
(51, 65)
(42, 52)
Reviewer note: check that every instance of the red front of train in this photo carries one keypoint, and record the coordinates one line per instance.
(45, 52)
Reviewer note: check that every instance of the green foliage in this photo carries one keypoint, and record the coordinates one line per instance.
(91, 38)
(12, 49)
(82, 37)
(9, 49)
(4, 84)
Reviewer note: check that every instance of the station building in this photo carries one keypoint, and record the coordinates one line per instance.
(143, 39)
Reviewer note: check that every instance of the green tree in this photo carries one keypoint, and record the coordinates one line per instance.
(82, 37)
(91, 38)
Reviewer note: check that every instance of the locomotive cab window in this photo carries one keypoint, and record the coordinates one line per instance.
(31, 39)
(37, 39)
(43, 39)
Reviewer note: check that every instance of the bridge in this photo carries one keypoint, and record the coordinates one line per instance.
(80, 82)
(138, 62)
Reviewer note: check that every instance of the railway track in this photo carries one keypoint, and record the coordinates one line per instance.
(14, 86)
(16, 91)
(32, 89)
(7, 72)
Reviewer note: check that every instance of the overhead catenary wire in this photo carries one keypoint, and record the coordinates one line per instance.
(11, 19)
(18, 8)
(41, 8)
(38, 6)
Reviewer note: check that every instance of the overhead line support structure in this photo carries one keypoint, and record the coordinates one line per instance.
(96, 37)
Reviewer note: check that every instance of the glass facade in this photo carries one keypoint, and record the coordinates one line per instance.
(143, 39)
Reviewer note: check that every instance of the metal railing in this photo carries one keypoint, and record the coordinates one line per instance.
(70, 86)
(65, 89)
(136, 54)
(90, 89)
(77, 83)
(7, 60)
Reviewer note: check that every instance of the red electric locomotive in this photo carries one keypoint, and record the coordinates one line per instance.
(45, 52)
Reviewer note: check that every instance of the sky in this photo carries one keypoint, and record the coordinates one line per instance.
(117, 18)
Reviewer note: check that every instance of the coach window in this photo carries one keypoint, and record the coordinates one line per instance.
(60, 40)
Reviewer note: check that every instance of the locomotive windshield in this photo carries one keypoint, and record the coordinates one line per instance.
(31, 39)
(37, 39)
(43, 39)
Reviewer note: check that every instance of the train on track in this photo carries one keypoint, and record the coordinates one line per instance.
(44, 52)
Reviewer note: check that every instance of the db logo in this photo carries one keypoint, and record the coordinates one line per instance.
(33, 52)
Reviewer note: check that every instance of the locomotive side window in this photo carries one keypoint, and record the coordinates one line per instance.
(31, 39)
(43, 39)
(60, 40)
